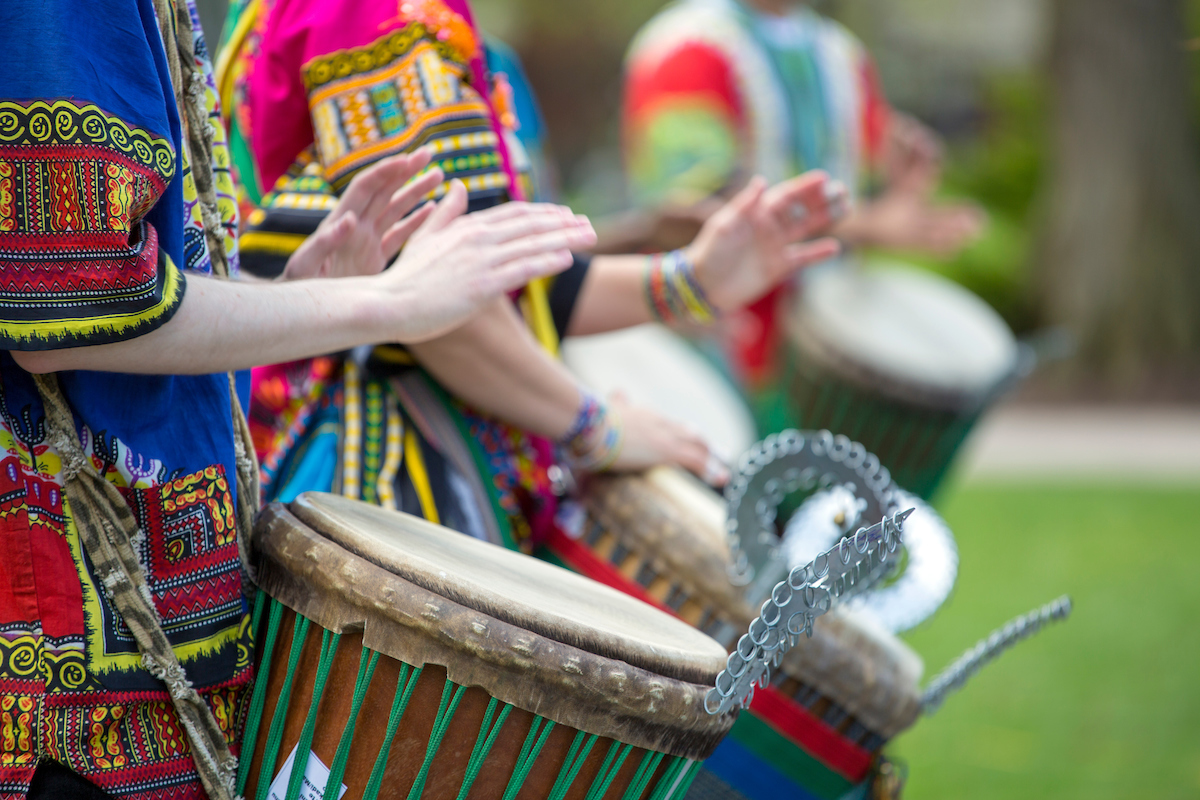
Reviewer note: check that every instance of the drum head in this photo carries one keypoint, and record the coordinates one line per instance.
(522, 591)
(659, 370)
(906, 327)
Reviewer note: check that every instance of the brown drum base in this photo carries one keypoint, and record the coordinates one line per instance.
(433, 696)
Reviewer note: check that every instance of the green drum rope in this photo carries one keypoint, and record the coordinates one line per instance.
(329, 644)
(641, 779)
(275, 732)
(483, 744)
(399, 704)
(581, 746)
(608, 770)
(494, 719)
(530, 750)
(258, 699)
(451, 695)
(366, 671)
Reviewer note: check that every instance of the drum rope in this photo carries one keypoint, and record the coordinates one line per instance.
(608, 770)
(539, 732)
(669, 779)
(451, 695)
(581, 747)
(329, 646)
(483, 744)
(641, 778)
(259, 698)
(275, 732)
(399, 704)
(366, 671)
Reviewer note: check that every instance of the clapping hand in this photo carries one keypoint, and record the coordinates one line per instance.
(455, 264)
(762, 236)
(905, 216)
(371, 221)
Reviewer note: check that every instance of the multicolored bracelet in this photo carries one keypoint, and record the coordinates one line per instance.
(672, 291)
(593, 442)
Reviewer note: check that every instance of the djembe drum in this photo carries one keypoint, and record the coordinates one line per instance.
(402, 660)
(900, 360)
(838, 697)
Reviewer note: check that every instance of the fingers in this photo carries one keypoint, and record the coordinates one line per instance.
(448, 209)
(690, 451)
(499, 225)
(806, 205)
(947, 230)
(310, 257)
(578, 235)
(400, 232)
(798, 256)
(405, 199)
(512, 275)
(381, 179)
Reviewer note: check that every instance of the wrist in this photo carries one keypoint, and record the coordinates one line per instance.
(673, 291)
(593, 442)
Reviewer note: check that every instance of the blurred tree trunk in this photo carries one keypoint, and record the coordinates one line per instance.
(1120, 256)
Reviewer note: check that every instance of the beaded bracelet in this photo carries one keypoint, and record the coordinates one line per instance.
(586, 417)
(593, 442)
(672, 291)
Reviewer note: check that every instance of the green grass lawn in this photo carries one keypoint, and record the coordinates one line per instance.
(1105, 705)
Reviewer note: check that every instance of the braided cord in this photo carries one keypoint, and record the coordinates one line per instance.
(483, 744)
(539, 731)
(670, 778)
(609, 769)
(366, 671)
(641, 778)
(275, 732)
(399, 704)
(581, 746)
(329, 644)
(259, 698)
(451, 695)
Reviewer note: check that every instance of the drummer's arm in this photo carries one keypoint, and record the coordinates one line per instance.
(752, 243)
(495, 365)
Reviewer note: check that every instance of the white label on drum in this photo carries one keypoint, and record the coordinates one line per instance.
(316, 775)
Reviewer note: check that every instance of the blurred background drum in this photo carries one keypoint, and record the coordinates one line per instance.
(658, 369)
(901, 360)
(818, 730)
(403, 660)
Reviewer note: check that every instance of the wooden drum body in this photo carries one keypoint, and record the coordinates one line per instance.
(900, 360)
(413, 662)
(839, 696)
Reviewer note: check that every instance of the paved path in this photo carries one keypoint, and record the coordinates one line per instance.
(1142, 444)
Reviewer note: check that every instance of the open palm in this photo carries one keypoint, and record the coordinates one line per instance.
(762, 236)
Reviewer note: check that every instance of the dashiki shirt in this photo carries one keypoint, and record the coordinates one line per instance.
(716, 93)
(98, 229)
(319, 90)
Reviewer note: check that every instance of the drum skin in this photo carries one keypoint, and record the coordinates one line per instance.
(899, 360)
(352, 611)
(838, 696)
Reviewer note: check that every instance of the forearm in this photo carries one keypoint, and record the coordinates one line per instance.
(613, 296)
(223, 326)
(494, 364)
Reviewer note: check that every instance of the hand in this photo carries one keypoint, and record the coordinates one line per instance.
(649, 440)
(910, 222)
(912, 159)
(454, 265)
(371, 221)
(905, 217)
(758, 239)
